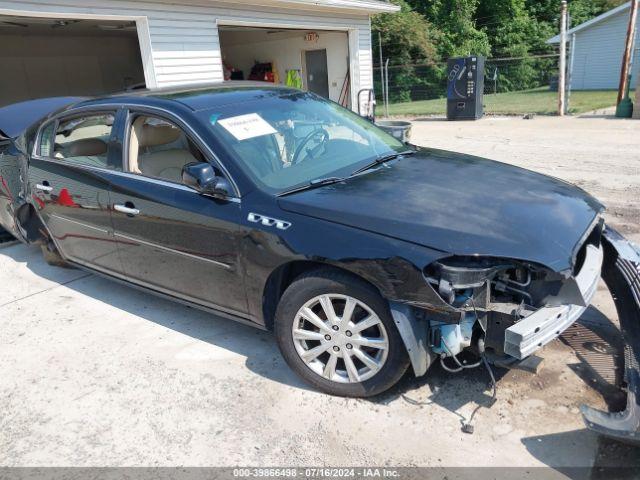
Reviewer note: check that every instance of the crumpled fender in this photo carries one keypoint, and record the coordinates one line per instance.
(414, 333)
(621, 273)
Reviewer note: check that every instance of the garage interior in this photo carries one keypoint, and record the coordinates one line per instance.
(44, 57)
(315, 61)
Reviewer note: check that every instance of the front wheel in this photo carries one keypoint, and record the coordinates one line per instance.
(337, 333)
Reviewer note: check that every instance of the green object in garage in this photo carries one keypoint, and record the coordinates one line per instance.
(293, 79)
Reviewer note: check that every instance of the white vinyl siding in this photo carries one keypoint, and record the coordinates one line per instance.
(598, 54)
(183, 42)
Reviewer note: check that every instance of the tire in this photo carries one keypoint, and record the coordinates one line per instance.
(52, 256)
(384, 364)
(5, 236)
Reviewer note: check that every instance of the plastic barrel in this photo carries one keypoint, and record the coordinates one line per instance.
(398, 129)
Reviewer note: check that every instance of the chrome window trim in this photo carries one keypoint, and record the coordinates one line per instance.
(40, 132)
(135, 176)
(171, 250)
(38, 140)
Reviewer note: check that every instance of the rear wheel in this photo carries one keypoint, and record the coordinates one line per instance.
(336, 332)
(5, 236)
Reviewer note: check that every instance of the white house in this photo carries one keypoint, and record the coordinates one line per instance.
(88, 47)
(598, 48)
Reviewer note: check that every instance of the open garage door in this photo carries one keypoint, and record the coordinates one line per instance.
(314, 61)
(43, 57)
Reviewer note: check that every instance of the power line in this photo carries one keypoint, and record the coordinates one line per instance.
(489, 60)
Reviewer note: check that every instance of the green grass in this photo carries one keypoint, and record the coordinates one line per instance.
(539, 101)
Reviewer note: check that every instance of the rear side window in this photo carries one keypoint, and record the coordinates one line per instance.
(83, 140)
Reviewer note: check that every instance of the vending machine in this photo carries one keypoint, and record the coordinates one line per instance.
(465, 88)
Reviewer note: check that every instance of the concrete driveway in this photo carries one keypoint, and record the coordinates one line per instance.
(94, 373)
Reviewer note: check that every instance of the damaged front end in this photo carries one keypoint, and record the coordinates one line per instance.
(621, 273)
(504, 310)
(511, 308)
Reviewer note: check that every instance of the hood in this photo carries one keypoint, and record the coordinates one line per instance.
(16, 118)
(461, 205)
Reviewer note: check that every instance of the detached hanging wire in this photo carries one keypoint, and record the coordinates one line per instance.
(467, 427)
(461, 366)
(448, 369)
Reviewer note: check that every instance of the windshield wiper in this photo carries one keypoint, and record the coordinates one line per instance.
(318, 182)
(382, 159)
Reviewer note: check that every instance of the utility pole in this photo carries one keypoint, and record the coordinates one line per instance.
(384, 96)
(563, 59)
(572, 55)
(386, 88)
(623, 90)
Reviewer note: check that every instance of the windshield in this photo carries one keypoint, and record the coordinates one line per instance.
(286, 141)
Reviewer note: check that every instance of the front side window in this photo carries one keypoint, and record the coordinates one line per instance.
(83, 140)
(160, 149)
(289, 140)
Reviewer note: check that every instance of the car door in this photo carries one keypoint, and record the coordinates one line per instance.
(171, 238)
(68, 178)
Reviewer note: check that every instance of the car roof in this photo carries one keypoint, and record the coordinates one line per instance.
(196, 97)
(16, 118)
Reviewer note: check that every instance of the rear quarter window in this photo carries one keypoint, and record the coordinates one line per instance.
(47, 140)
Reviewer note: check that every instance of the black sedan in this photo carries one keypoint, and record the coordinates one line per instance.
(279, 209)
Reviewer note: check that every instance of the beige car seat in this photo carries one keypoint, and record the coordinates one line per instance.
(87, 151)
(165, 164)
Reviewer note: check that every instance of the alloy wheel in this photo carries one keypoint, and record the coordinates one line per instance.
(340, 338)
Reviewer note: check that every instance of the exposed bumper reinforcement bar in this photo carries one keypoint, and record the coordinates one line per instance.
(621, 273)
(548, 323)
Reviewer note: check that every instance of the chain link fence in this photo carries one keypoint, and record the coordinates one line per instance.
(415, 89)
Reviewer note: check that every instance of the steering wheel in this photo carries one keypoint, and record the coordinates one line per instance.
(321, 134)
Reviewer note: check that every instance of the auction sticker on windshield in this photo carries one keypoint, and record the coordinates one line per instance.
(247, 126)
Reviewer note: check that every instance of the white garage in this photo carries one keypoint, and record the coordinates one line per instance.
(43, 57)
(73, 47)
(317, 61)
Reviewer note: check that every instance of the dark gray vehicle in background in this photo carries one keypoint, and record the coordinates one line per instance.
(282, 210)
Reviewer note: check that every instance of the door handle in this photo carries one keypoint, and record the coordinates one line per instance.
(125, 209)
(44, 188)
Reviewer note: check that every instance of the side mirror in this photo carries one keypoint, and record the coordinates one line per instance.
(203, 179)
